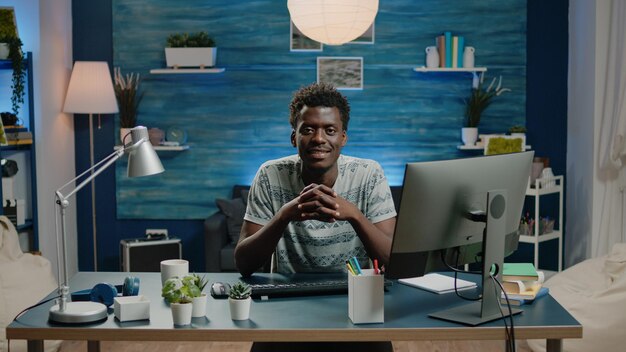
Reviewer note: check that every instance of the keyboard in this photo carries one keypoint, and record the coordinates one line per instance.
(277, 285)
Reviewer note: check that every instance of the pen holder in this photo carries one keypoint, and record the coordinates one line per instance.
(366, 297)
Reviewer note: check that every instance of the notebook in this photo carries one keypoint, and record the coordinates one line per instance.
(437, 283)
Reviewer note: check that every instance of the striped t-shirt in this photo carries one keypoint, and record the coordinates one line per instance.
(312, 245)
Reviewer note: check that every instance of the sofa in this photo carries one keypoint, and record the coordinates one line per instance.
(221, 229)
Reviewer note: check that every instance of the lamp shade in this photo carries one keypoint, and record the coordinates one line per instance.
(143, 160)
(332, 22)
(91, 89)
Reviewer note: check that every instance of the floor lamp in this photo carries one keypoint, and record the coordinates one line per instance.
(142, 161)
(91, 92)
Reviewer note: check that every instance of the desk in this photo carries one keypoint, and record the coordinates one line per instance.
(319, 318)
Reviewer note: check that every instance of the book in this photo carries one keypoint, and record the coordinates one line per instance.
(438, 283)
(519, 271)
(543, 291)
(19, 142)
(441, 47)
(529, 293)
(448, 38)
(15, 128)
(455, 51)
(18, 135)
(519, 286)
(461, 47)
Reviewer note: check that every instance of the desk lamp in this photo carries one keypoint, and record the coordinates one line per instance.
(142, 161)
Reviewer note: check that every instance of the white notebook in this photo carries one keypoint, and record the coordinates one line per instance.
(438, 283)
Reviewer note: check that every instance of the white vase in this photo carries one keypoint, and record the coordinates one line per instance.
(199, 306)
(469, 135)
(123, 132)
(240, 308)
(181, 313)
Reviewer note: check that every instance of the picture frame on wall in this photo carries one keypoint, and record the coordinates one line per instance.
(341, 71)
(300, 42)
(366, 38)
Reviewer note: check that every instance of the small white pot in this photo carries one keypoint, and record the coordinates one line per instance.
(190, 57)
(199, 306)
(4, 51)
(181, 313)
(240, 308)
(469, 135)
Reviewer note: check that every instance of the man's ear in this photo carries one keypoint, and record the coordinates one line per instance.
(345, 138)
(293, 138)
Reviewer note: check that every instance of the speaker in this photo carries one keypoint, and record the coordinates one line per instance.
(145, 255)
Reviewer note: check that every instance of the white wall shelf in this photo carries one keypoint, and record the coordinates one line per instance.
(166, 71)
(542, 187)
(163, 148)
(481, 147)
(450, 69)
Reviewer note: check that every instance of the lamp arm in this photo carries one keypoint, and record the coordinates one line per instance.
(101, 165)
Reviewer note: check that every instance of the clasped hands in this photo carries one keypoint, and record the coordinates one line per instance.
(320, 202)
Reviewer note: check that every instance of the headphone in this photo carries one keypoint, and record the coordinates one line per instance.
(105, 292)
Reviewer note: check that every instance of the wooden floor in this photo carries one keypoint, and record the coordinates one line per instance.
(399, 346)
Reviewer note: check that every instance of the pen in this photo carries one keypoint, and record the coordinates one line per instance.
(376, 271)
(355, 263)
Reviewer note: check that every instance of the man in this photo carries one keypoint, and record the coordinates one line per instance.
(318, 208)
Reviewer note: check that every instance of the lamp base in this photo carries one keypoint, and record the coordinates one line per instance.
(79, 313)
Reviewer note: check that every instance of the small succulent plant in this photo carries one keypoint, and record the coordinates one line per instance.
(240, 290)
(177, 290)
(190, 40)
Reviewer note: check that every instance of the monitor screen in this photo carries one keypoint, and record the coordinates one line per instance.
(437, 200)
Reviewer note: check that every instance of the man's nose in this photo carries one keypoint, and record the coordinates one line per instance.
(319, 136)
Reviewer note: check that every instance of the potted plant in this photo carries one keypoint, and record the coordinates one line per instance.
(190, 50)
(11, 48)
(240, 301)
(128, 98)
(199, 301)
(179, 294)
(480, 98)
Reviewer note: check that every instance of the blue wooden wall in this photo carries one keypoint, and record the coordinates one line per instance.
(239, 118)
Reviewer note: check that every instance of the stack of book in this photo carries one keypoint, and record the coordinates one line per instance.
(450, 50)
(17, 135)
(522, 283)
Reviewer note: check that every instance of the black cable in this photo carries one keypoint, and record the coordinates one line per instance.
(33, 306)
(511, 335)
(456, 271)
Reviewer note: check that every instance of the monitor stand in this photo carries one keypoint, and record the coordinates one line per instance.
(488, 308)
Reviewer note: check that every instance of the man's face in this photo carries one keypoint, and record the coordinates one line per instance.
(319, 137)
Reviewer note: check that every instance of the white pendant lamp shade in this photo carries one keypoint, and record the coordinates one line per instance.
(91, 89)
(333, 22)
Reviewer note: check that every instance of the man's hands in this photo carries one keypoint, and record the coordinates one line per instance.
(320, 202)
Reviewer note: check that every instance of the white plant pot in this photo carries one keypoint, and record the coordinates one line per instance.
(199, 306)
(190, 57)
(181, 313)
(4, 51)
(469, 135)
(240, 308)
(124, 131)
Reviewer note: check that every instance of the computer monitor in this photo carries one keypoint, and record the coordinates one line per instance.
(464, 210)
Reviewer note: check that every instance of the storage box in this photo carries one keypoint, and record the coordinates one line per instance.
(145, 255)
(129, 308)
(8, 185)
(15, 210)
(366, 297)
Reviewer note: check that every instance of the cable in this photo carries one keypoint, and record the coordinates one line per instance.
(456, 271)
(510, 335)
(33, 306)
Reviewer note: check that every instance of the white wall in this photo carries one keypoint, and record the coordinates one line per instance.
(55, 138)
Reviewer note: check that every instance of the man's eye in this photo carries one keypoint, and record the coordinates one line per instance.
(307, 130)
(331, 131)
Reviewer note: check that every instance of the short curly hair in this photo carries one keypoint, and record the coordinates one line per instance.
(319, 94)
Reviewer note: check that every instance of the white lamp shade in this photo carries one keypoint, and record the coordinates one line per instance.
(333, 22)
(91, 89)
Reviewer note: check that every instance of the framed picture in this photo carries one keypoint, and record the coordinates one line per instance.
(365, 38)
(341, 72)
(300, 42)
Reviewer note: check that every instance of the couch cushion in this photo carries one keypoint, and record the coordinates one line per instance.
(234, 209)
